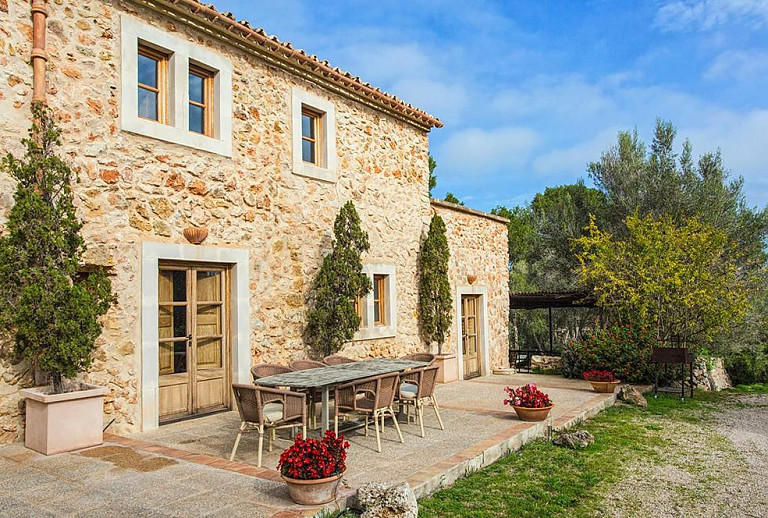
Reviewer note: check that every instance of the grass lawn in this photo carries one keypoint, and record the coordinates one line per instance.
(673, 437)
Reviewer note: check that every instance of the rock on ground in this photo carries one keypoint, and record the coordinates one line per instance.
(381, 501)
(574, 440)
(631, 395)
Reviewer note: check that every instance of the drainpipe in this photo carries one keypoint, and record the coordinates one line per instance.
(39, 56)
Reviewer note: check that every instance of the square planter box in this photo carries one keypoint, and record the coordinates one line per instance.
(64, 422)
(449, 368)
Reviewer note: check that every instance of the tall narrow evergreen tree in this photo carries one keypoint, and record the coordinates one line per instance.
(434, 286)
(332, 319)
(48, 309)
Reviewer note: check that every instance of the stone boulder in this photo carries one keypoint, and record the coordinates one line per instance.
(630, 395)
(381, 501)
(574, 440)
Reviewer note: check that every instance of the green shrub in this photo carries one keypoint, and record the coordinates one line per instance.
(748, 367)
(625, 350)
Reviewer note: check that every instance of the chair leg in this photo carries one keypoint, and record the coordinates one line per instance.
(366, 425)
(397, 426)
(237, 440)
(304, 432)
(261, 444)
(407, 414)
(378, 435)
(437, 412)
(336, 424)
(270, 437)
(420, 415)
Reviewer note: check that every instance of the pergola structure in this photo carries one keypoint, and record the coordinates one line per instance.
(549, 300)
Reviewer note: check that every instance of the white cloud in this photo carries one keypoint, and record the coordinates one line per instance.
(740, 65)
(707, 15)
(572, 161)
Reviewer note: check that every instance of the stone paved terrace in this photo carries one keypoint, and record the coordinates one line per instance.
(181, 469)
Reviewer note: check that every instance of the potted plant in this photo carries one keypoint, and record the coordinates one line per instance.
(530, 403)
(48, 308)
(602, 381)
(435, 304)
(313, 469)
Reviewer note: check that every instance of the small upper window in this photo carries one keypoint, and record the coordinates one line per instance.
(310, 124)
(152, 85)
(380, 300)
(200, 96)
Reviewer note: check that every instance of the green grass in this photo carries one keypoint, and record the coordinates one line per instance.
(543, 480)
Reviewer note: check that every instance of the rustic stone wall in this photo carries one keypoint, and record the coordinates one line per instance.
(134, 189)
(710, 374)
(478, 246)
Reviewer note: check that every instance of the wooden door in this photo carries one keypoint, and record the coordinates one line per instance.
(193, 340)
(470, 336)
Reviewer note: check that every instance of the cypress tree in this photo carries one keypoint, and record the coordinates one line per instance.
(434, 286)
(50, 311)
(332, 319)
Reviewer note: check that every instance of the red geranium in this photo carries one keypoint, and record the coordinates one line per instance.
(599, 375)
(527, 396)
(310, 459)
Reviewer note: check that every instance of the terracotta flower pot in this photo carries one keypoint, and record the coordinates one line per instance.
(313, 492)
(604, 387)
(532, 414)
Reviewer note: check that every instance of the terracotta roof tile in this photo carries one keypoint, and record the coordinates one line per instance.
(286, 51)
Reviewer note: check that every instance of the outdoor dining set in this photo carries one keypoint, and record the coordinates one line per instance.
(286, 397)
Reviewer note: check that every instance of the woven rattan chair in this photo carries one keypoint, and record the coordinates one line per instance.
(302, 365)
(417, 388)
(335, 359)
(268, 409)
(420, 357)
(314, 395)
(263, 370)
(372, 397)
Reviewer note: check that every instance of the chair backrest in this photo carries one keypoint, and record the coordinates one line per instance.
(420, 357)
(335, 359)
(251, 400)
(302, 365)
(248, 402)
(262, 370)
(428, 381)
(387, 389)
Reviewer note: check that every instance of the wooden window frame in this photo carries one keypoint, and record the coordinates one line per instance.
(317, 142)
(380, 280)
(207, 104)
(162, 82)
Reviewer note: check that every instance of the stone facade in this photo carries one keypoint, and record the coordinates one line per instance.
(134, 190)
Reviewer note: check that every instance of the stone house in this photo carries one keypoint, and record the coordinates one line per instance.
(177, 116)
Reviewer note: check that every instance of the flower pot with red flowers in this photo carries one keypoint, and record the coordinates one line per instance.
(602, 381)
(530, 403)
(313, 469)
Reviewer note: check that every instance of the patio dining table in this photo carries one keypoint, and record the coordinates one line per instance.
(326, 378)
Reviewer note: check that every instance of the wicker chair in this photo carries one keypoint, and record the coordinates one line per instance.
(372, 397)
(302, 365)
(335, 359)
(417, 388)
(420, 357)
(263, 370)
(268, 409)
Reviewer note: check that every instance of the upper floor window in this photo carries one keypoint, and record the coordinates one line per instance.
(174, 89)
(380, 300)
(314, 136)
(310, 122)
(378, 309)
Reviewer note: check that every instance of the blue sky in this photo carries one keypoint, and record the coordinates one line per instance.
(531, 91)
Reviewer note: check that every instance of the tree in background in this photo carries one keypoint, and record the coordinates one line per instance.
(50, 311)
(676, 279)
(331, 318)
(432, 175)
(434, 286)
(451, 198)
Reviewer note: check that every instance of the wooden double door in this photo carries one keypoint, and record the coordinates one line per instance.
(470, 335)
(194, 356)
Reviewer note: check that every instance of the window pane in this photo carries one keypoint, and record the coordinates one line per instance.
(179, 286)
(196, 84)
(196, 119)
(308, 151)
(147, 104)
(179, 321)
(148, 71)
(307, 126)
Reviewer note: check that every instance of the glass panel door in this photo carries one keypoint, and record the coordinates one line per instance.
(469, 336)
(209, 339)
(173, 334)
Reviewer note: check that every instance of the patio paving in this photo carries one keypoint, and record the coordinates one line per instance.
(182, 469)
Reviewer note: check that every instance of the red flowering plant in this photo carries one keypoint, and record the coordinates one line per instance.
(310, 459)
(527, 396)
(599, 375)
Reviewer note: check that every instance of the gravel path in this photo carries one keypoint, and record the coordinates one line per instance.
(715, 465)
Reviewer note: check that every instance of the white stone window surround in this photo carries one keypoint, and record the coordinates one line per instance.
(368, 330)
(151, 255)
(327, 151)
(485, 368)
(133, 31)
